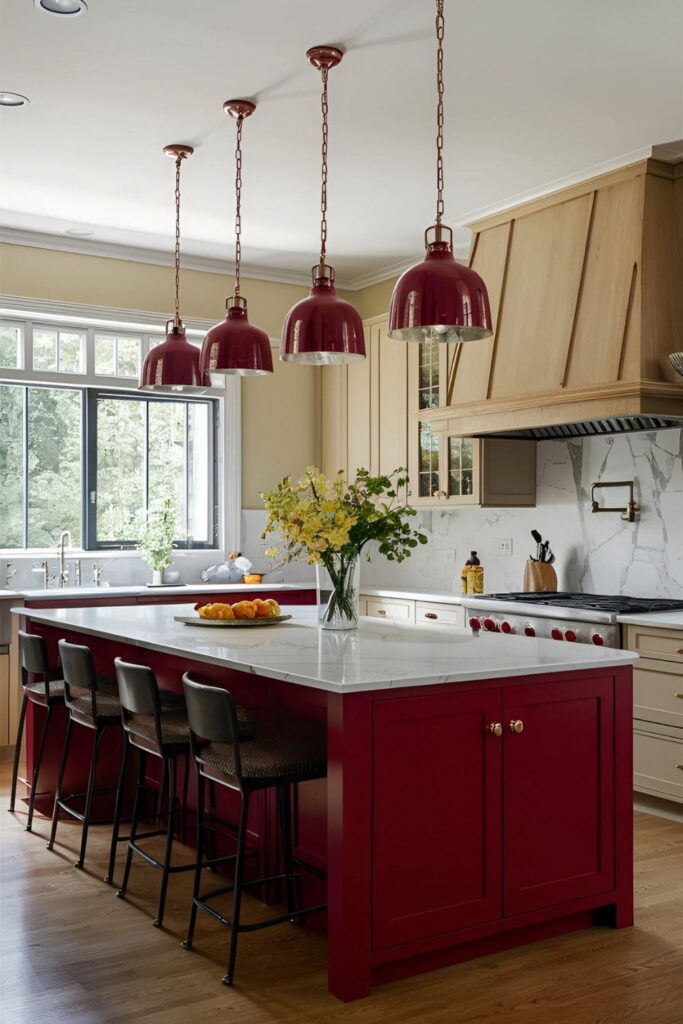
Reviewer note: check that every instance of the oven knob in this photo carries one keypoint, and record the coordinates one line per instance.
(570, 635)
(529, 630)
(475, 624)
(490, 625)
(556, 633)
(506, 627)
(598, 639)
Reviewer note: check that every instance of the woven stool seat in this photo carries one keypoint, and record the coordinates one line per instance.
(301, 757)
(36, 691)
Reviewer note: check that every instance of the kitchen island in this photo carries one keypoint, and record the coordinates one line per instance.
(479, 787)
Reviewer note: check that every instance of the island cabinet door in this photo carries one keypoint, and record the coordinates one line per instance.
(558, 798)
(437, 816)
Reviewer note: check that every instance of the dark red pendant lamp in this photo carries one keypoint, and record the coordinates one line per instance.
(235, 346)
(440, 299)
(173, 365)
(323, 329)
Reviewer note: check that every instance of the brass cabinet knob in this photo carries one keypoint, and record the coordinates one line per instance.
(496, 729)
(517, 725)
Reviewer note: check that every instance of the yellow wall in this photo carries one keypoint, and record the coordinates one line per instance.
(373, 300)
(279, 415)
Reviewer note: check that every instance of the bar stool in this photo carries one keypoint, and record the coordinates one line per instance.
(92, 702)
(245, 766)
(164, 733)
(46, 690)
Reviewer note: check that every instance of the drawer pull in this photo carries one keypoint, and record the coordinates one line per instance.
(433, 615)
(680, 767)
(381, 611)
(680, 696)
(680, 650)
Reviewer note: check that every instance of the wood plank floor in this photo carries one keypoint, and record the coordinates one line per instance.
(71, 952)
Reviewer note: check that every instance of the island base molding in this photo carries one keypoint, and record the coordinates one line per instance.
(457, 819)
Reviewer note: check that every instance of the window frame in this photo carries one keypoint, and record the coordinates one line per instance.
(89, 490)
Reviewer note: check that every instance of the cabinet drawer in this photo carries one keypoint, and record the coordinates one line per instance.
(391, 608)
(658, 693)
(657, 643)
(427, 613)
(658, 762)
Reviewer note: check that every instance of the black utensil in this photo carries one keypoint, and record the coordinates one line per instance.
(539, 542)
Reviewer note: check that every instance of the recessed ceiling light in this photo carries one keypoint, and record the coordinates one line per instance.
(62, 8)
(13, 99)
(79, 232)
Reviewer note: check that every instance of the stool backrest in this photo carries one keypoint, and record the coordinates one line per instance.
(80, 678)
(138, 694)
(35, 661)
(212, 718)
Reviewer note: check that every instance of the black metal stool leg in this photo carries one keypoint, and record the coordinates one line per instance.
(58, 788)
(187, 942)
(183, 809)
(121, 892)
(36, 770)
(160, 795)
(17, 752)
(237, 892)
(171, 809)
(99, 733)
(285, 809)
(109, 877)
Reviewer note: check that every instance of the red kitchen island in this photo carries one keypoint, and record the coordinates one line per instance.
(479, 789)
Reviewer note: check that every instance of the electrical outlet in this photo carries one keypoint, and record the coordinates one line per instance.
(505, 545)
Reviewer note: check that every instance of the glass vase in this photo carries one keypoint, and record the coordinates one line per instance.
(338, 583)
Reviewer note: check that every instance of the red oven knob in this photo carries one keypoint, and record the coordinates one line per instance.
(506, 627)
(598, 639)
(475, 624)
(570, 635)
(556, 633)
(529, 630)
(490, 625)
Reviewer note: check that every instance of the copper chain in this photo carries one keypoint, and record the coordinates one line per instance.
(178, 162)
(238, 203)
(439, 109)
(323, 191)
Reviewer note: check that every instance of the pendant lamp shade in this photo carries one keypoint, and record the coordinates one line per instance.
(440, 299)
(322, 329)
(235, 346)
(173, 365)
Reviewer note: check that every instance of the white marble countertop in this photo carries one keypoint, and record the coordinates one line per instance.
(661, 620)
(137, 590)
(376, 656)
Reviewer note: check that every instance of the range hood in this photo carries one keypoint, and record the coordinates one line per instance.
(586, 289)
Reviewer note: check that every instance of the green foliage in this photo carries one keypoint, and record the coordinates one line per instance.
(158, 534)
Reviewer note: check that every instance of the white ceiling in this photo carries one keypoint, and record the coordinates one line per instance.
(538, 91)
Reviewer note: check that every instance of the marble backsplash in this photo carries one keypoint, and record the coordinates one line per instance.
(595, 553)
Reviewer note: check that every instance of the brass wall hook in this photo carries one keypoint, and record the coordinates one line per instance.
(628, 512)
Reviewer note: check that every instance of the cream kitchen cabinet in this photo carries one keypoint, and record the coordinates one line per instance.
(411, 610)
(657, 711)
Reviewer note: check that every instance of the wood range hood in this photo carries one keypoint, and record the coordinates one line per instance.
(586, 289)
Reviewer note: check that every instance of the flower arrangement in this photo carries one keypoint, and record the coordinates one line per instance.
(158, 532)
(329, 522)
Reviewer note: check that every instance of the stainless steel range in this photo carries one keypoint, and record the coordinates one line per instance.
(576, 618)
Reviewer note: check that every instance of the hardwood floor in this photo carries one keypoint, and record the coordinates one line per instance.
(71, 952)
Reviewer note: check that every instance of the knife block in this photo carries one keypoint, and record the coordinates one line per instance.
(539, 576)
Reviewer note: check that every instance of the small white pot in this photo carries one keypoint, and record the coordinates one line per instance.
(157, 577)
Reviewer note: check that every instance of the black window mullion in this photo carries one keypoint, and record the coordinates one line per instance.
(90, 472)
(186, 474)
(146, 467)
(25, 465)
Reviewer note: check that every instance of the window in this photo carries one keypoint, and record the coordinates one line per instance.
(11, 345)
(59, 350)
(117, 355)
(61, 445)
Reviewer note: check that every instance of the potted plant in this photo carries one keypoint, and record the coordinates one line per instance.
(329, 522)
(156, 541)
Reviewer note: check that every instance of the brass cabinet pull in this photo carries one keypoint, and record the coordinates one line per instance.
(680, 696)
(516, 725)
(680, 650)
(433, 615)
(381, 611)
(496, 729)
(680, 766)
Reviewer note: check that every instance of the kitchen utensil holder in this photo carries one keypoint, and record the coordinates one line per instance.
(539, 576)
(628, 512)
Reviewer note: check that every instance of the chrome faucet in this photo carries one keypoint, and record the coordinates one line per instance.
(63, 572)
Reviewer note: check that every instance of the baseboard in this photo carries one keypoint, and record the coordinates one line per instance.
(656, 805)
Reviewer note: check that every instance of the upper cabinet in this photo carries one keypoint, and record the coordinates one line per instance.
(373, 417)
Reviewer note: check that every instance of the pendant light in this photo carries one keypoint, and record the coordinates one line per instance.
(235, 346)
(439, 299)
(173, 365)
(323, 329)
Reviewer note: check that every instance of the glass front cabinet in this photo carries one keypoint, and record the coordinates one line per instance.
(448, 469)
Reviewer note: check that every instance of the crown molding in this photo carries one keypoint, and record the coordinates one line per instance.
(80, 312)
(138, 254)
